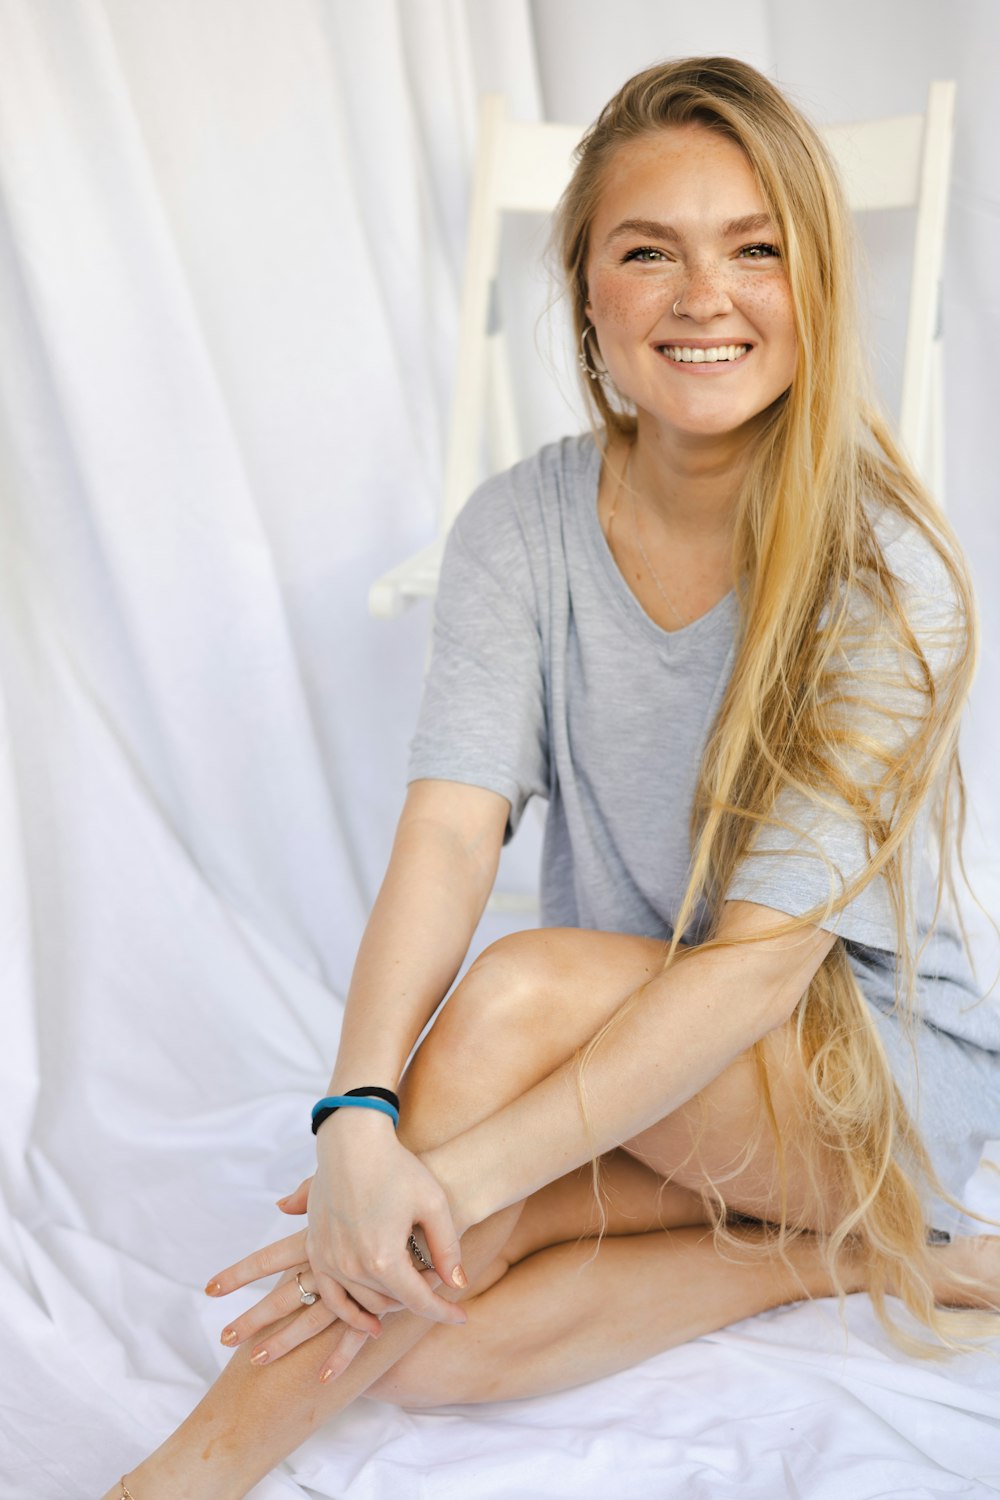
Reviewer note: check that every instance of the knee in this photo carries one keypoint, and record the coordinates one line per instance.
(490, 1040)
(513, 968)
(511, 994)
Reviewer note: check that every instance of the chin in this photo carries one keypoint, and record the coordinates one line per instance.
(698, 417)
(710, 425)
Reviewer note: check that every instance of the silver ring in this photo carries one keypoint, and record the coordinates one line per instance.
(418, 1254)
(307, 1298)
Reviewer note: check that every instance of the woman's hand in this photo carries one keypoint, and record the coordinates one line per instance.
(361, 1276)
(368, 1195)
(285, 1301)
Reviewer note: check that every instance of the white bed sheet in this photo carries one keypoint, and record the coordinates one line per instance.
(104, 1351)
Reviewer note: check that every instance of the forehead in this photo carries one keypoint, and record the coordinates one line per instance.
(687, 174)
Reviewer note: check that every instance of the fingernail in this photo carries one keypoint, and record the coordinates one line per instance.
(325, 1375)
(459, 1278)
(229, 1336)
(259, 1357)
(282, 1201)
(213, 1289)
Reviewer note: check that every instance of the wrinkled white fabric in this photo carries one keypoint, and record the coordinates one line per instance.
(230, 243)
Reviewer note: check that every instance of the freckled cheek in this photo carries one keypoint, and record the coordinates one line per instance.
(613, 304)
(770, 307)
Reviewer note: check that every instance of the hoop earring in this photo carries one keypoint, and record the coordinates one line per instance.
(583, 359)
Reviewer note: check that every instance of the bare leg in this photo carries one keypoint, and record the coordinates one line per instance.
(557, 1309)
(546, 1313)
(226, 1445)
(232, 1448)
(512, 1026)
(566, 1316)
(547, 1316)
(254, 1417)
(563, 1314)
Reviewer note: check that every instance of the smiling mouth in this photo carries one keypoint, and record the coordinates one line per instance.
(684, 354)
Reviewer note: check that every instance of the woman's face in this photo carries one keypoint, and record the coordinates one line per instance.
(681, 222)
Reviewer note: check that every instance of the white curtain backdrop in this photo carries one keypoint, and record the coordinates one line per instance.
(230, 246)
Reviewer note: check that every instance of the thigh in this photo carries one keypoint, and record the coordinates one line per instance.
(724, 1141)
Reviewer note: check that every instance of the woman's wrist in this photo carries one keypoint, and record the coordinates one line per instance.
(466, 1205)
(353, 1124)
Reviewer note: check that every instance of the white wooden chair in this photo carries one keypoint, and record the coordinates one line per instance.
(899, 162)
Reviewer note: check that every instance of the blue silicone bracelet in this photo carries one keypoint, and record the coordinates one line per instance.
(323, 1108)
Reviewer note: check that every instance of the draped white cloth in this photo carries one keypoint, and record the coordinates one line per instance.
(229, 254)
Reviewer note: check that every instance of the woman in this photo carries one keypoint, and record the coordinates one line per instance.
(729, 638)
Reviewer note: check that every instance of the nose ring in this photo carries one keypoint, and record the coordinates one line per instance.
(674, 310)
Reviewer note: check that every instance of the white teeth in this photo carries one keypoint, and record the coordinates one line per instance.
(688, 356)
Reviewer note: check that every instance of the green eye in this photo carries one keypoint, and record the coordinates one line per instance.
(644, 253)
(768, 251)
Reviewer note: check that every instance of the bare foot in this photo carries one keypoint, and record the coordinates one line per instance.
(977, 1256)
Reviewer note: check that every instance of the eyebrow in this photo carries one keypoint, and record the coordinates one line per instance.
(748, 224)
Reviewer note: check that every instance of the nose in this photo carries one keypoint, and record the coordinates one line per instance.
(703, 294)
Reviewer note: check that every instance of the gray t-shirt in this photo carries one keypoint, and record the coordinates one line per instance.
(549, 679)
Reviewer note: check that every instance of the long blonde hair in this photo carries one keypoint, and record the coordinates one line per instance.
(798, 723)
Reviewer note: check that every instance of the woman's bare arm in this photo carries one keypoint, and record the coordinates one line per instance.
(443, 864)
(369, 1190)
(686, 1027)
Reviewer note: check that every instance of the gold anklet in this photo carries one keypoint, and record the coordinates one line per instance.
(126, 1492)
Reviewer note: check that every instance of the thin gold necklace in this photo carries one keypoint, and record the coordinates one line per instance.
(638, 538)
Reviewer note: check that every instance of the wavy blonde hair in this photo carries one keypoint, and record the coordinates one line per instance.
(799, 724)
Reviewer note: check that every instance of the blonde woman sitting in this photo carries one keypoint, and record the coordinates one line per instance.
(728, 637)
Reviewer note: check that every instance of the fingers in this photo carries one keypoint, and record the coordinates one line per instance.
(344, 1306)
(394, 1283)
(411, 1289)
(420, 1299)
(279, 1256)
(445, 1248)
(338, 1360)
(298, 1201)
(365, 1296)
(305, 1325)
(282, 1302)
(306, 1321)
(358, 1305)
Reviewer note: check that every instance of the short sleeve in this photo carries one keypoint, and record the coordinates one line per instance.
(812, 850)
(483, 720)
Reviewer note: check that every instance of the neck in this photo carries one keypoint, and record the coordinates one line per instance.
(691, 482)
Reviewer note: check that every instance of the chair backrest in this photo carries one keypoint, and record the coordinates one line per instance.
(898, 162)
